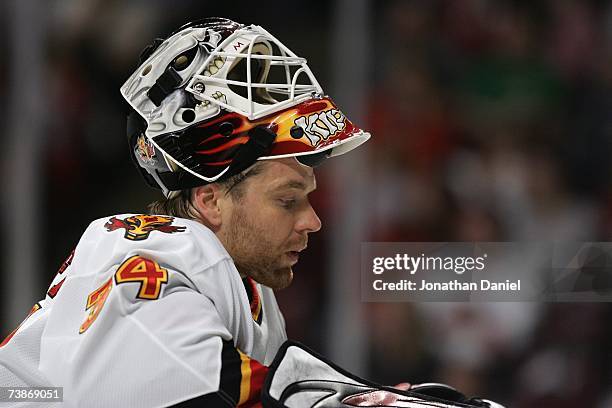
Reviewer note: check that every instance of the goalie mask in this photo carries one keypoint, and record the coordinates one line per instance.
(216, 96)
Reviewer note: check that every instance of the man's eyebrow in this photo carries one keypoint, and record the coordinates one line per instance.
(292, 184)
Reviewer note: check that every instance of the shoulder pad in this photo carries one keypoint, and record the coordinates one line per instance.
(181, 244)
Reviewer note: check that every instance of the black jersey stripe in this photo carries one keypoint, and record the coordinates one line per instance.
(231, 374)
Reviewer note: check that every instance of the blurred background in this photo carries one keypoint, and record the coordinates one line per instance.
(491, 121)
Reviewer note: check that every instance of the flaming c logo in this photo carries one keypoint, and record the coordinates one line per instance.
(145, 150)
(138, 227)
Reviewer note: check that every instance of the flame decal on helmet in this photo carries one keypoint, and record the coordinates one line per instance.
(322, 126)
(237, 141)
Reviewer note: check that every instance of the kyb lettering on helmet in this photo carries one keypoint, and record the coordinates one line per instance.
(321, 125)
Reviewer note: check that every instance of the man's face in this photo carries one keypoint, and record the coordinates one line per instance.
(266, 228)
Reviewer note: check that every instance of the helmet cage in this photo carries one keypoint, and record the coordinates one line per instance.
(240, 45)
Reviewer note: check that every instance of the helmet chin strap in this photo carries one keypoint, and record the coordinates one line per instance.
(260, 142)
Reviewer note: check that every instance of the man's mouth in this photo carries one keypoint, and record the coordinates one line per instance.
(293, 255)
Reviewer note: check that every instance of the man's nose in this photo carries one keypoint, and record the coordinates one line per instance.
(308, 221)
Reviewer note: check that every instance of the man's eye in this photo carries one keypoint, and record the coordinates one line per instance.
(287, 203)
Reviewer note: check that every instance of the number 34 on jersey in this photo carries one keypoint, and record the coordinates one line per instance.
(145, 272)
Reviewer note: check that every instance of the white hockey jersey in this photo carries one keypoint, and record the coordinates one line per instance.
(148, 311)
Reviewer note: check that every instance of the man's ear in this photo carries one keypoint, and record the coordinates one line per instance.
(207, 199)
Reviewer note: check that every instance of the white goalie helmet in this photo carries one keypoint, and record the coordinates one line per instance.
(216, 96)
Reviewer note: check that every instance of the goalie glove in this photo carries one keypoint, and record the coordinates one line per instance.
(299, 378)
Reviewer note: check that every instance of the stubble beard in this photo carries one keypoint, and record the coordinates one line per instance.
(250, 250)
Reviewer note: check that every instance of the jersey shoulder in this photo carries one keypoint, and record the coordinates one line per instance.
(179, 243)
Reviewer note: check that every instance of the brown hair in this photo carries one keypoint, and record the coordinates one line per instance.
(180, 205)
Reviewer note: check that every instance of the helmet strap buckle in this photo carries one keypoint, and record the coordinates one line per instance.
(165, 84)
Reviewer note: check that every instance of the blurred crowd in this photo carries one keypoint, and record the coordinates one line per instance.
(491, 121)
